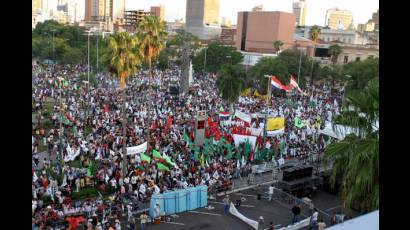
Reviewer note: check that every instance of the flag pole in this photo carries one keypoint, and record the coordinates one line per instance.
(267, 107)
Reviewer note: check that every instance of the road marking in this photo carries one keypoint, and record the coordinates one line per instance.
(173, 223)
(206, 213)
(333, 208)
(244, 205)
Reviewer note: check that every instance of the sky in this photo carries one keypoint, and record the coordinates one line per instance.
(316, 9)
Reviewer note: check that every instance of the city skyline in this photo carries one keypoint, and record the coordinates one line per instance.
(316, 9)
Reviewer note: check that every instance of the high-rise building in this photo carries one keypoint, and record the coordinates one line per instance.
(158, 11)
(132, 17)
(117, 9)
(258, 30)
(202, 18)
(35, 6)
(339, 19)
(97, 10)
(299, 9)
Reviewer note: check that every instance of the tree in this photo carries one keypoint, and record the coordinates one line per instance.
(230, 83)
(217, 54)
(151, 31)
(331, 73)
(277, 44)
(176, 43)
(356, 158)
(314, 33)
(334, 51)
(269, 66)
(72, 56)
(361, 72)
(122, 58)
(291, 58)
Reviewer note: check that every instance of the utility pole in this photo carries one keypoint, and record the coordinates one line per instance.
(205, 61)
(300, 62)
(267, 107)
(184, 81)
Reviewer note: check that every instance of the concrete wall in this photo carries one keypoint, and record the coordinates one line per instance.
(264, 28)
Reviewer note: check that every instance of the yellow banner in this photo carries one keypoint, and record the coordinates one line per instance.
(275, 123)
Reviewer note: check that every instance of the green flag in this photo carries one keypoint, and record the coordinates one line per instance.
(162, 167)
(65, 83)
(145, 158)
(186, 138)
(247, 148)
(156, 154)
(202, 160)
(221, 108)
(168, 160)
(299, 123)
(282, 148)
(75, 131)
(229, 155)
(90, 169)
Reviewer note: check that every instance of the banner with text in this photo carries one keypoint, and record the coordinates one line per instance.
(137, 149)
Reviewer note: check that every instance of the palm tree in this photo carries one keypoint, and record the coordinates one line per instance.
(314, 33)
(356, 158)
(335, 50)
(277, 44)
(151, 31)
(229, 82)
(122, 58)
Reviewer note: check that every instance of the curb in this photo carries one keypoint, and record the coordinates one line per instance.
(245, 188)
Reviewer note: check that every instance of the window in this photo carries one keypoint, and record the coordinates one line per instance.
(357, 58)
(346, 59)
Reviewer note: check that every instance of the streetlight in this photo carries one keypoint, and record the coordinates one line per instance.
(205, 60)
(267, 107)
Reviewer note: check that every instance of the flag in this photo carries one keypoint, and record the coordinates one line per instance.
(168, 160)
(162, 167)
(65, 83)
(202, 160)
(238, 155)
(90, 169)
(229, 155)
(185, 137)
(247, 148)
(75, 131)
(282, 148)
(145, 158)
(169, 122)
(299, 123)
(156, 154)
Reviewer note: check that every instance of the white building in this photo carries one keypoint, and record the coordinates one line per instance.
(330, 35)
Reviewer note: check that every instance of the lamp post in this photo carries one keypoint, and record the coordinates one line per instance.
(205, 60)
(267, 108)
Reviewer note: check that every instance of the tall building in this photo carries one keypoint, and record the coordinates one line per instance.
(339, 19)
(158, 11)
(117, 9)
(132, 17)
(258, 30)
(299, 9)
(97, 10)
(202, 18)
(35, 6)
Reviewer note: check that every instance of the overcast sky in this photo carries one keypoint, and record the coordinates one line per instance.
(316, 9)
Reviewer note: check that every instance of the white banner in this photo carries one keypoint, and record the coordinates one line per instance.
(275, 132)
(298, 225)
(137, 149)
(234, 211)
(255, 131)
(243, 116)
(242, 138)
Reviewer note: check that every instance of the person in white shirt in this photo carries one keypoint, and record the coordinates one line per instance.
(270, 192)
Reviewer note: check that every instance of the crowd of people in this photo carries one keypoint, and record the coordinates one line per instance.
(84, 121)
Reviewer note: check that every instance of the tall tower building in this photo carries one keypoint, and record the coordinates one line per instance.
(299, 9)
(158, 11)
(339, 19)
(202, 18)
(95, 10)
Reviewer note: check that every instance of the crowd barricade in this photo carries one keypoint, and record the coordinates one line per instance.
(264, 167)
(180, 200)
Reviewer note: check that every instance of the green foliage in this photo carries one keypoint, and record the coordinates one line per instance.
(314, 33)
(217, 54)
(230, 82)
(290, 58)
(277, 44)
(356, 158)
(163, 59)
(176, 43)
(335, 51)
(71, 43)
(269, 66)
(361, 72)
